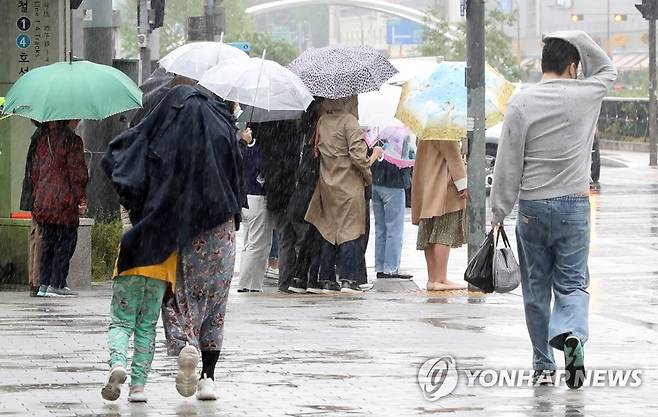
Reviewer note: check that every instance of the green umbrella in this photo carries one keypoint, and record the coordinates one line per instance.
(2, 103)
(76, 90)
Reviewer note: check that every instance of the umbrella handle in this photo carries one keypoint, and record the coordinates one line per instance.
(251, 116)
(382, 144)
(258, 84)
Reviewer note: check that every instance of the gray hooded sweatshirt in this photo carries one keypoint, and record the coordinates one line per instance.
(547, 136)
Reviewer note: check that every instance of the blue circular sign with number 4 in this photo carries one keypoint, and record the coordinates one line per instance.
(23, 41)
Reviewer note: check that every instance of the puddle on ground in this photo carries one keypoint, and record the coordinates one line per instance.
(452, 325)
(446, 410)
(328, 410)
(30, 387)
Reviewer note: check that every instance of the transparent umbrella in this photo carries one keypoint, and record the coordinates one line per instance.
(193, 59)
(259, 83)
(399, 144)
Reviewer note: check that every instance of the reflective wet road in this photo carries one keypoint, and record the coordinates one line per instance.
(359, 355)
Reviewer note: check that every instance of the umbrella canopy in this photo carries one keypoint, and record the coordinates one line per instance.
(342, 71)
(399, 144)
(378, 108)
(256, 115)
(434, 107)
(75, 90)
(193, 59)
(259, 83)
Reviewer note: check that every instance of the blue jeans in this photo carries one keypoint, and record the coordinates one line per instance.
(553, 243)
(388, 205)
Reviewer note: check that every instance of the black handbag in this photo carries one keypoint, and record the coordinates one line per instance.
(479, 272)
(493, 269)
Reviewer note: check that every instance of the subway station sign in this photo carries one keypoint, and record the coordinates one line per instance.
(31, 33)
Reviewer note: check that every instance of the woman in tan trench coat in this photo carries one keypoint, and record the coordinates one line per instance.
(438, 207)
(338, 206)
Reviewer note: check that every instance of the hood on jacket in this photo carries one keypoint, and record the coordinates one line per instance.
(348, 104)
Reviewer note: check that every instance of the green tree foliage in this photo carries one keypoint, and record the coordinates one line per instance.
(105, 239)
(237, 21)
(174, 32)
(498, 50)
(498, 45)
(437, 43)
(280, 51)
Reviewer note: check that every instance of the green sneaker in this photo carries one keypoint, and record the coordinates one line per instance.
(574, 362)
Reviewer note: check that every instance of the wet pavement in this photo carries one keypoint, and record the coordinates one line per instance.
(299, 355)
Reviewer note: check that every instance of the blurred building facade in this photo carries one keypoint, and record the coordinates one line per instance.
(394, 35)
(616, 25)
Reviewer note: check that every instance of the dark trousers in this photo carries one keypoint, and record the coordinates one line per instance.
(363, 246)
(350, 257)
(308, 259)
(291, 236)
(345, 257)
(274, 250)
(58, 244)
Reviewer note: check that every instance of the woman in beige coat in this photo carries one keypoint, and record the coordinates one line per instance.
(438, 207)
(338, 206)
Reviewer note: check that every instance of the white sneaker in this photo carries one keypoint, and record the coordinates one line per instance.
(137, 394)
(188, 359)
(205, 391)
(112, 389)
(272, 273)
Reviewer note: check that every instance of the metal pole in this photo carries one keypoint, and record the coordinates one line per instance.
(476, 130)
(69, 38)
(209, 11)
(653, 122)
(144, 31)
(97, 47)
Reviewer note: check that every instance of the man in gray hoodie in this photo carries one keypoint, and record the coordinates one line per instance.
(543, 160)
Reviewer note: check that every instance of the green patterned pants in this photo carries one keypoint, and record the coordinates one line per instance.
(136, 303)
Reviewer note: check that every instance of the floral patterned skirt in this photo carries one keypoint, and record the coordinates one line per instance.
(448, 230)
(195, 314)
